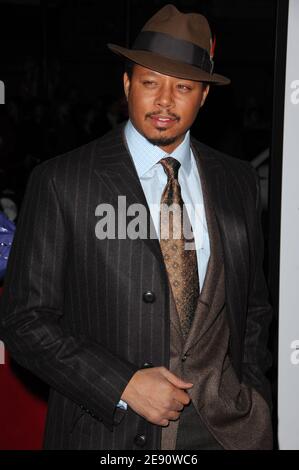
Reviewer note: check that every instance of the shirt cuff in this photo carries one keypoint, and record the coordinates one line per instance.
(122, 404)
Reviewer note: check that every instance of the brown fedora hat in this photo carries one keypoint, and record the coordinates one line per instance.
(176, 44)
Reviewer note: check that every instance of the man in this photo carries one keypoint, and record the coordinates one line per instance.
(145, 342)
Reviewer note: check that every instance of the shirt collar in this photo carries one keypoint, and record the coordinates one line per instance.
(145, 155)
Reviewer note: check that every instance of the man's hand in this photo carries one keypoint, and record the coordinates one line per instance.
(157, 394)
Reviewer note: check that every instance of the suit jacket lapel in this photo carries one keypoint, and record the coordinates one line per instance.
(117, 174)
(229, 212)
(212, 295)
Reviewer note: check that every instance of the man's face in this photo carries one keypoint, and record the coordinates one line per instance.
(162, 108)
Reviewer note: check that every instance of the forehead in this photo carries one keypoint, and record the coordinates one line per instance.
(139, 70)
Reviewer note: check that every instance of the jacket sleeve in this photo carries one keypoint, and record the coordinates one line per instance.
(257, 358)
(32, 308)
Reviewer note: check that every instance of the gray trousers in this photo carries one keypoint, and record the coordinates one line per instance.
(193, 434)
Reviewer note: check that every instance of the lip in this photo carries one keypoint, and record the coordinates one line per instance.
(163, 121)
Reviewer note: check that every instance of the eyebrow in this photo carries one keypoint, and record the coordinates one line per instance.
(156, 75)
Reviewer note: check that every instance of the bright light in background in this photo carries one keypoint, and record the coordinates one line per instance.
(2, 92)
(2, 353)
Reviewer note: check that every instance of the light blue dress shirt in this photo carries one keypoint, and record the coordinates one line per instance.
(153, 180)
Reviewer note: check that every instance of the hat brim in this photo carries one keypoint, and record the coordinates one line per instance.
(168, 66)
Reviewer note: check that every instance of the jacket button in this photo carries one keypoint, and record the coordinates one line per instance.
(184, 357)
(140, 440)
(149, 297)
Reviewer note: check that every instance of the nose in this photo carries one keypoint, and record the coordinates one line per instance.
(164, 98)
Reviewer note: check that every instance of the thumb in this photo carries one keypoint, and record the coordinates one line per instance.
(176, 381)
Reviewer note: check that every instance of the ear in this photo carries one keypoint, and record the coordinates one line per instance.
(127, 83)
(204, 95)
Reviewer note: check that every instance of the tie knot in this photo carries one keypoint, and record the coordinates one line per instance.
(171, 167)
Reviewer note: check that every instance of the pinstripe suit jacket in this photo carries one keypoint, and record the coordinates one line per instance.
(85, 314)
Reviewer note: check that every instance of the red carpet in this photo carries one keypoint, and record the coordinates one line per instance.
(22, 410)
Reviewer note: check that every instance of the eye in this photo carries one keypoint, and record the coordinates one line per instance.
(149, 83)
(184, 88)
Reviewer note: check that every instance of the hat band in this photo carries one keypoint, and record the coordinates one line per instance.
(172, 48)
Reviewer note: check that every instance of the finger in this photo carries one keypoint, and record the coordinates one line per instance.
(164, 422)
(173, 415)
(172, 378)
(182, 397)
(177, 406)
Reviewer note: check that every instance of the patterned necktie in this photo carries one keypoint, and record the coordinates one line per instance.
(181, 263)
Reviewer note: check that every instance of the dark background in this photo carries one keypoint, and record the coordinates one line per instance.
(64, 87)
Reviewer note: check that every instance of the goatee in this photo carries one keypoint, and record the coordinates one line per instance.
(162, 141)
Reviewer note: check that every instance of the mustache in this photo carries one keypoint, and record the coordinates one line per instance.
(168, 114)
